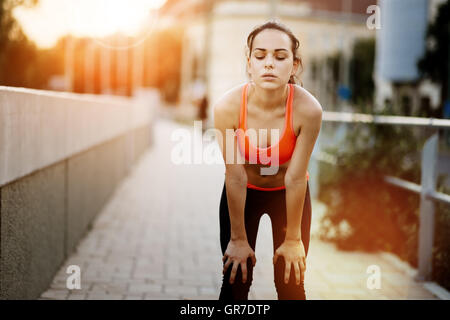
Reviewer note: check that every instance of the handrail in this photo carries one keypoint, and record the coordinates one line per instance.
(427, 189)
(414, 187)
(349, 117)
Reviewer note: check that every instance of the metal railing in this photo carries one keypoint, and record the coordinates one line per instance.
(427, 189)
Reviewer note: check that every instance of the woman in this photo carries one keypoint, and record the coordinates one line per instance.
(271, 101)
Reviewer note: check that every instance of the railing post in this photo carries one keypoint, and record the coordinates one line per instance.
(426, 218)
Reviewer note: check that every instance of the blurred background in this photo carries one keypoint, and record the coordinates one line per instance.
(113, 48)
(380, 70)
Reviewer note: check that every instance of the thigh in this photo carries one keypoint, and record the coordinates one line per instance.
(252, 216)
(278, 216)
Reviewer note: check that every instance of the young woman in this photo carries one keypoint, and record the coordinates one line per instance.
(270, 101)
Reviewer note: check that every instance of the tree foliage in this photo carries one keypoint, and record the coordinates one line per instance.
(378, 216)
(361, 73)
(361, 66)
(17, 53)
(434, 63)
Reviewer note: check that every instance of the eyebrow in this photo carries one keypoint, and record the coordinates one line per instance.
(262, 49)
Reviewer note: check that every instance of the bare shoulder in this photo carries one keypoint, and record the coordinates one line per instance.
(306, 106)
(226, 108)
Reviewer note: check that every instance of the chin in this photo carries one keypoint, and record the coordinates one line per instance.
(270, 84)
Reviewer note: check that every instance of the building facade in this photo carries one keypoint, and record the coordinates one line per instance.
(214, 46)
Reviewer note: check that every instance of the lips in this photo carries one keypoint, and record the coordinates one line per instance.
(269, 75)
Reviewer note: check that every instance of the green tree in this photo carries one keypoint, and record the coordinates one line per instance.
(434, 63)
(361, 67)
(17, 53)
(361, 71)
(366, 213)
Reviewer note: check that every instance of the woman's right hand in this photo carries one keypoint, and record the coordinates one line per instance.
(237, 253)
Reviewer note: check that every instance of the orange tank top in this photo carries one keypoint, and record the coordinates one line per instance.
(284, 147)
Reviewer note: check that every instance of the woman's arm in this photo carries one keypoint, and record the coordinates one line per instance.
(238, 249)
(296, 183)
(295, 178)
(235, 174)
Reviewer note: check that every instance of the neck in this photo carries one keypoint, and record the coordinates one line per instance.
(269, 99)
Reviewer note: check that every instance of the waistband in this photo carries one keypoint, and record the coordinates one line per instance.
(251, 186)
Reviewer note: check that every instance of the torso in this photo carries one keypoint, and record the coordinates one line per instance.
(262, 119)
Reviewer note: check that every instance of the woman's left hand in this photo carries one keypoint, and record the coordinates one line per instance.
(294, 254)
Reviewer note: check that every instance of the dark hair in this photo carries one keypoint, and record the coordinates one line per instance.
(275, 24)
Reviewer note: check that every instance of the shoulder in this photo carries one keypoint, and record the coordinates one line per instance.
(305, 105)
(226, 108)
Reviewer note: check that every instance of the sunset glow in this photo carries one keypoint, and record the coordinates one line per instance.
(52, 19)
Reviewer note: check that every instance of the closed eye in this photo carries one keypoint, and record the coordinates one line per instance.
(278, 58)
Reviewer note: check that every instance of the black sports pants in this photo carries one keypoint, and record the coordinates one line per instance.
(257, 203)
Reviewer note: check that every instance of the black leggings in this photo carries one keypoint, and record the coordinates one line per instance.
(257, 203)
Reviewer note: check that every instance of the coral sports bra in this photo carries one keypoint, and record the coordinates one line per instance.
(283, 148)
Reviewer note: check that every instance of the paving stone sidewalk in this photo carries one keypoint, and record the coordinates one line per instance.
(158, 238)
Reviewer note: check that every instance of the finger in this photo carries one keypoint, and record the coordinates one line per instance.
(253, 259)
(227, 264)
(225, 256)
(297, 272)
(244, 272)
(287, 272)
(233, 272)
(302, 265)
(302, 270)
(275, 257)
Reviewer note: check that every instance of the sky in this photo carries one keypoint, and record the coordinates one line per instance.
(52, 19)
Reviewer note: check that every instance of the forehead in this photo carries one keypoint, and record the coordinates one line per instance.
(271, 39)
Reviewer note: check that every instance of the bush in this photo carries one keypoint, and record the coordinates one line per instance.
(441, 252)
(366, 213)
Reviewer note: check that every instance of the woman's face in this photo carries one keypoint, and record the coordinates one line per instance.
(271, 54)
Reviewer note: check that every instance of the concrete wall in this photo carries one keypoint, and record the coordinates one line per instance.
(61, 157)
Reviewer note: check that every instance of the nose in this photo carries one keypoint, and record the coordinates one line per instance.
(269, 61)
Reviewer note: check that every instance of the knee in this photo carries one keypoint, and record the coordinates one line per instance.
(237, 285)
(238, 290)
(238, 277)
(290, 290)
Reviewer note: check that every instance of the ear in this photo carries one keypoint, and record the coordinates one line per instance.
(296, 67)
